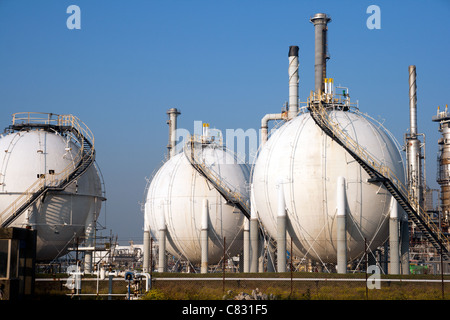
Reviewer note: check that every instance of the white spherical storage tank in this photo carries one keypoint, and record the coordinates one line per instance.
(175, 200)
(35, 162)
(308, 163)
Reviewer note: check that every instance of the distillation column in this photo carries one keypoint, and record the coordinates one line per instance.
(413, 148)
(443, 176)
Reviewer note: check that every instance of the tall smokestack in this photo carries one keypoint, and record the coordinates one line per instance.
(172, 122)
(320, 21)
(293, 82)
(412, 100)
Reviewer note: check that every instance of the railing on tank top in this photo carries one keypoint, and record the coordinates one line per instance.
(316, 106)
(193, 150)
(80, 133)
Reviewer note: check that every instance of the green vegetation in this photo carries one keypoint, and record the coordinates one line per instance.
(280, 288)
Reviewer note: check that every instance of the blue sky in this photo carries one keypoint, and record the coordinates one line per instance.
(222, 62)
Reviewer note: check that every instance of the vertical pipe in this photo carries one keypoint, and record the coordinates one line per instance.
(320, 21)
(172, 122)
(394, 238)
(281, 230)
(412, 100)
(204, 237)
(293, 82)
(341, 227)
(414, 154)
(254, 236)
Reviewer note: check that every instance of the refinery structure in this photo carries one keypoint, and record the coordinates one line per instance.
(330, 189)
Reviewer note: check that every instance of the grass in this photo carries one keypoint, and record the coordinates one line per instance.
(281, 290)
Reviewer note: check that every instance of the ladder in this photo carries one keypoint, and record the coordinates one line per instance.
(379, 173)
(65, 125)
(193, 150)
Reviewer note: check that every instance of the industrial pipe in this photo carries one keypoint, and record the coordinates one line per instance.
(412, 100)
(320, 21)
(293, 82)
(265, 125)
(172, 122)
(413, 148)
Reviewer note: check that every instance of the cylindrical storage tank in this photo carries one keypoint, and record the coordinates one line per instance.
(310, 163)
(177, 193)
(60, 217)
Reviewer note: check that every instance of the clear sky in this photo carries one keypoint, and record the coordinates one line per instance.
(221, 62)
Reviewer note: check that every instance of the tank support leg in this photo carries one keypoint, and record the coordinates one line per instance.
(341, 227)
(204, 237)
(281, 230)
(394, 239)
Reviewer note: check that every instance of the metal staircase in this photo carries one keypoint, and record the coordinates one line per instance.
(379, 173)
(66, 125)
(193, 150)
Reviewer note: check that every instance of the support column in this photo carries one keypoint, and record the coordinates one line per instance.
(281, 230)
(204, 236)
(341, 227)
(146, 263)
(270, 256)
(162, 265)
(246, 252)
(254, 236)
(90, 229)
(394, 239)
(404, 245)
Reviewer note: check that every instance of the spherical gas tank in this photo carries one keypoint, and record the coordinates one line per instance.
(58, 216)
(176, 198)
(308, 163)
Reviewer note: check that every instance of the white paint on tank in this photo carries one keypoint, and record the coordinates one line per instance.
(310, 163)
(177, 191)
(61, 215)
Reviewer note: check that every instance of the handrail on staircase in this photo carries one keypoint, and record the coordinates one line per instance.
(83, 159)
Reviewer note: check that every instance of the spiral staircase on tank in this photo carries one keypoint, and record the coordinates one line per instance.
(379, 173)
(193, 150)
(68, 126)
